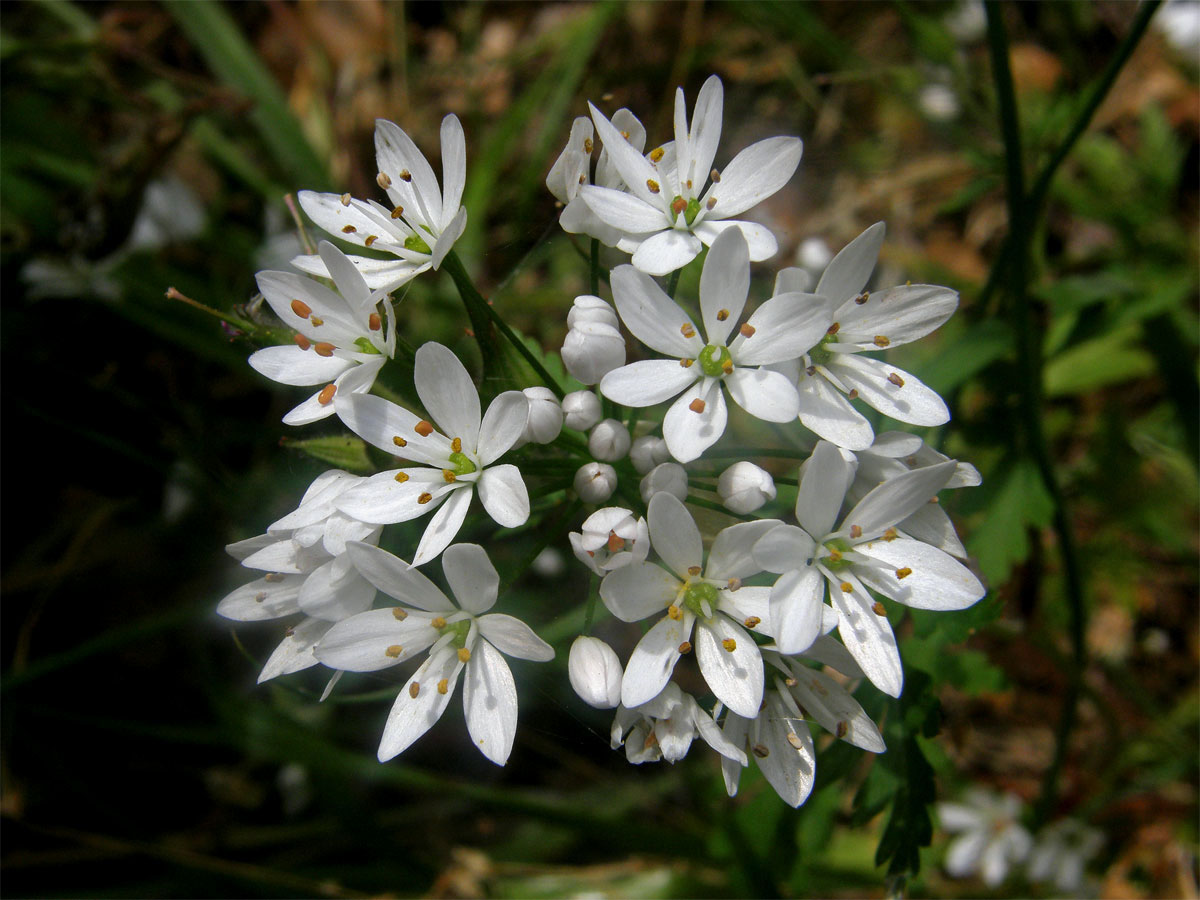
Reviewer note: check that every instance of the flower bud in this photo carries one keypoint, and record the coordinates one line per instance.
(611, 538)
(591, 310)
(609, 441)
(744, 487)
(545, 416)
(647, 452)
(581, 409)
(670, 477)
(595, 482)
(595, 672)
(592, 350)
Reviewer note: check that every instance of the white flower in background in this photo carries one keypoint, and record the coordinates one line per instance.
(779, 738)
(340, 336)
(572, 170)
(665, 726)
(1179, 22)
(668, 477)
(939, 102)
(780, 329)
(831, 373)
(647, 452)
(664, 214)
(307, 572)
(966, 20)
(593, 346)
(609, 539)
(745, 487)
(609, 441)
(595, 672)
(864, 552)
(991, 838)
(421, 225)
(459, 639)
(1061, 853)
(707, 597)
(581, 410)
(813, 255)
(454, 463)
(545, 416)
(595, 482)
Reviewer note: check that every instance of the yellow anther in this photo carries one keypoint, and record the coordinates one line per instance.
(291, 632)
(302, 309)
(397, 212)
(464, 655)
(383, 180)
(624, 134)
(835, 555)
(722, 315)
(443, 685)
(696, 406)
(371, 238)
(794, 740)
(727, 367)
(583, 179)
(846, 587)
(842, 728)
(326, 395)
(394, 651)
(747, 330)
(834, 328)
(456, 445)
(273, 576)
(260, 596)
(878, 608)
(652, 186)
(734, 583)
(414, 689)
(896, 380)
(317, 322)
(686, 363)
(302, 342)
(688, 184)
(399, 614)
(761, 751)
(790, 682)
(425, 498)
(752, 622)
(687, 330)
(685, 647)
(374, 322)
(891, 534)
(711, 202)
(437, 622)
(657, 154)
(449, 476)
(904, 572)
(348, 229)
(729, 644)
(853, 395)
(399, 441)
(694, 571)
(346, 199)
(862, 298)
(423, 428)
(674, 612)
(401, 477)
(323, 349)
(715, 176)
(855, 531)
(405, 175)
(588, 145)
(881, 341)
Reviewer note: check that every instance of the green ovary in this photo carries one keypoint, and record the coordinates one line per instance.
(696, 597)
(713, 361)
(459, 630)
(416, 244)
(461, 464)
(834, 562)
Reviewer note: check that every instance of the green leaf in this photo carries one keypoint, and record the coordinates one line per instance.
(1108, 359)
(344, 451)
(974, 350)
(1000, 540)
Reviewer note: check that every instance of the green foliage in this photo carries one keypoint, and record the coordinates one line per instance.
(1018, 503)
(342, 451)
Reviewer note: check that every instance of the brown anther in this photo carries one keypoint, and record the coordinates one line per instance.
(394, 650)
(727, 367)
(399, 441)
(437, 622)
(348, 229)
(842, 728)
(260, 596)
(674, 612)
(853, 395)
(747, 330)
(846, 587)
(934, 500)
(291, 632)
(405, 175)
(833, 329)
(625, 134)
(903, 572)
(424, 428)
(302, 342)
(891, 534)
(896, 380)
(650, 741)
(862, 298)
(652, 186)
(346, 199)
(615, 542)
(374, 322)
(443, 685)
(810, 371)
(273, 576)
(425, 498)
(715, 176)
(795, 741)
(399, 614)
(734, 584)
(414, 689)
(855, 531)
(729, 644)
(694, 571)
(710, 203)
(371, 238)
(456, 445)
(760, 750)
(464, 655)
(881, 341)
(588, 145)
(326, 395)
(678, 205)
(687, 330)
(688, 184)
(878, 609)
(449, 475)
(722, 315)
(696, 406)
(835, 555)
(383, 180)
(752, 622)
(685, 647)
(302, 309)
(397, 212)
(317, 321)
(583, 179)
(401, 477)
(686, 363)
(657, 154)
(323, 349)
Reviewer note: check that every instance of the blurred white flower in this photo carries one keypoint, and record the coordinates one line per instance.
(665, 726)
(1061, 853)
(991, 839)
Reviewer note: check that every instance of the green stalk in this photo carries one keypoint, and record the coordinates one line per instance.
(594, 269)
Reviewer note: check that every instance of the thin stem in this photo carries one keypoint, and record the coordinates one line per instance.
(752, 452)
(249, 327)
(590, 612)
(673, 283)
(594, 269)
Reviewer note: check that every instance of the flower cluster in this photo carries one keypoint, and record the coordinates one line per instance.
(760, 627)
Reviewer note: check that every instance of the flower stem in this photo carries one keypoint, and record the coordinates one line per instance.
(673, 283)
(248, 327)
(593, 596)
(594, 269)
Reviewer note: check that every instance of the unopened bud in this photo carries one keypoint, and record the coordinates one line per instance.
(581, 410)
(609, 441)
(744, 487)
(545, 416)
(592, 349)
(595, 672)
(595, 482)
(647, 452)
(670, 477)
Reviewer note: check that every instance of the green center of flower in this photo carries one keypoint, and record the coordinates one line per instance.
(459, 629)
(417, 244)
(365, 345)
(701, 599)
(462, 464)
(818, 354)
(715, 361)
(835, 562)
(690, 209)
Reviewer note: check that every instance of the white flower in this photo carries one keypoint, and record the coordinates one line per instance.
(745, 487)
(423, 222)
(710, 598)
(581, 410)
(665, 726)
(668, 477)
(609, 441)
(609, 539)
(780, 329)
(545, 416)
(992, 839)
(664, 214)
(862, 321)
(779, 738)
(593, 346)
(1062, 851)
(595, 482)
(340, 337)
(647, 452)
(595, 672)
(460, 639)
(452, 467)
(864, 552)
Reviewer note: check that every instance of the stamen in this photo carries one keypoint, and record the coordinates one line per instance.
(302, 309)
(260, 597)
(425, 498)
(326, 395)
(685, 647)
(291, 632)
(722, 315)
(657, 154)
(324, 348)
(752, 622)
(456, 445)
(853, 395)
(615, 542)
(688, 184)
(401, 477)
(443, 685)
(794, 740)
(383, 180)
(302, 342)
(696, 406)
(317, 322)
(833, 329)
(588, 145)
(273, 576)
(625, 134)
(346, 199)
(652, 185)
(449, 476)
(371, 238)
(855, 531)
(712, 201)
(694, 571)
(896, 380)
(678, 205)
(747, 330)
(424, 428)
(397, 212)
(394, 651)
(414, 689)
(348, 229)
(687, 330)
(842, 728)
(674, 612)
(734, 583)
(810, 371)
(761, 751)
(583, 179)
(862, 298)
(437, 622)
(464, 655)
(686, 363)
(846, 587)
(891, 534)
(399, 441)
(715, 176)
(727, 367)
(729, 644)
(790, 682)
(374, 322)
(881, 341)
(405, 175)
(835, 555)
(399, 614)
(904, 572)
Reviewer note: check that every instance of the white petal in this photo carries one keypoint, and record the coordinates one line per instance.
(294, 652)
(674, 535)
(490, 702)
(797, 608)
(395, 152)
(349, 281)
(279, 598)
(936, 580)
(663, 253)
(705, 132)
(450, 234)
(634, 168)
(724, 285)
(790, 764)
(514, 638)
(375, 640)
(380, 422)
(823, 486)
(379, 274)
(931, 525)
(759, 239)
(911, 401)
(291, 365)
(331, 593)
(447, 392)
(653, 659)
(735, 730)
(504, 495)
(647, 381)
(381, 500)
(735, 676)
(732, 551)
(964, 856)
(311, 410)
(897, 498)
(830, 652)
(847, 273)
(831, 704)
(412, 716)
(901, 314)
(454, 168)
(784, 548)
(955, 817)
(827, 413)
(473, 579)
(689, 433)
(653, 317)
(764, 394)
(785, 327)
(868, 636)
(397, 579)
(443, 526)
(625, 212)
(331, 214)
(503, 424)
(638, 590)
(755, 174)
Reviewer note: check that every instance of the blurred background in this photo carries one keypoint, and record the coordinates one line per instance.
(148, 145)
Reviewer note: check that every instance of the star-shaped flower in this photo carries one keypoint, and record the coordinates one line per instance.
(454, 462)
(423, 222)
(664, 728)
(780, 329)
(991, 838)
(459, 639)
(665, 215)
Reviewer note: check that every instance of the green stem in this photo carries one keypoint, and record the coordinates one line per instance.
(673, 283)
(590, 612)
(752, 452)
(248, 327)
(594, 269)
